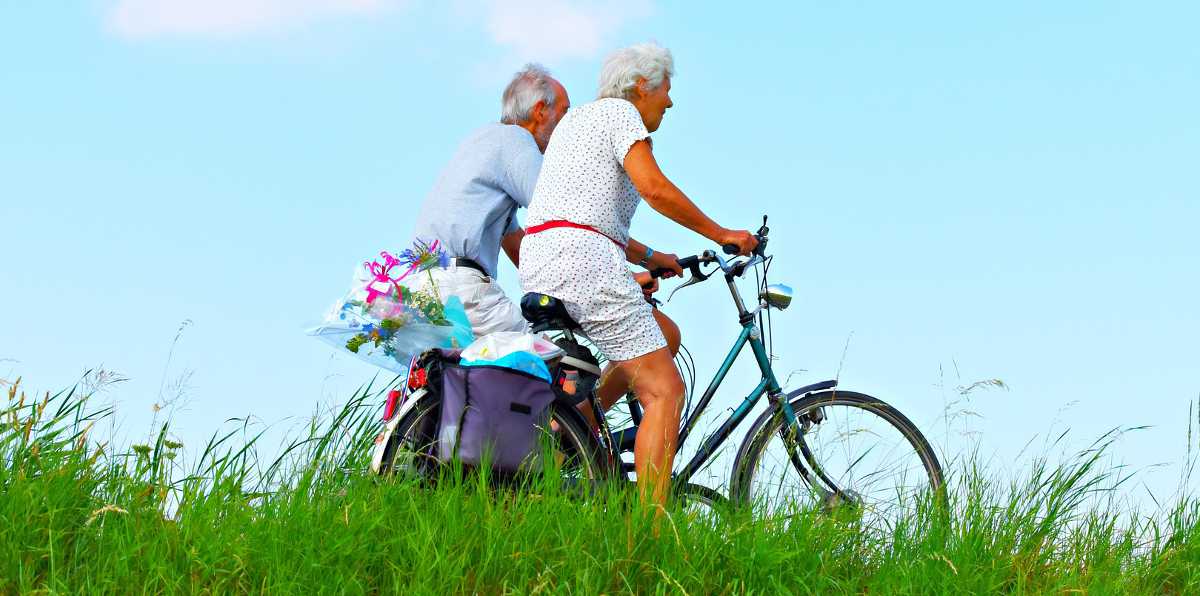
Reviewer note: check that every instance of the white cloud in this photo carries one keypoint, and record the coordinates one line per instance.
(206, 18)
(542, 30)
(550, 30)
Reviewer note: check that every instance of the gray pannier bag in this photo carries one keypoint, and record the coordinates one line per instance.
(490, 413)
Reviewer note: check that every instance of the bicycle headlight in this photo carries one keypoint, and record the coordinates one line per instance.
(777, 295)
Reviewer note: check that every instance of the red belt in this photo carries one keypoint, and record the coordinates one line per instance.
(562, 223)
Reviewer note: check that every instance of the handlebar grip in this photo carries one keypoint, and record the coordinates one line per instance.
(685, 263)
(730, 249)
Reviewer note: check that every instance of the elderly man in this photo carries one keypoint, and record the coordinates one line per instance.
(472, 209)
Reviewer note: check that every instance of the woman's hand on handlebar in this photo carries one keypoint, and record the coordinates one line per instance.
(737, 242)
(664, 264)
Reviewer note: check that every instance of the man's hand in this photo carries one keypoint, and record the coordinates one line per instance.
(665, 260)
(743, 239)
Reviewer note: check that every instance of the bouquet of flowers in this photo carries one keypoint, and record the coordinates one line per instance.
(386, 319)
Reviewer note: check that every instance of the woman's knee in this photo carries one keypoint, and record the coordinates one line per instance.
(652, 377)
(664, 389)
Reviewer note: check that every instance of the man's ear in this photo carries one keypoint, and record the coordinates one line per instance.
(538, 114)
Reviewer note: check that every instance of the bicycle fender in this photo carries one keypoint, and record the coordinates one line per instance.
(381, 440)
(830, 384)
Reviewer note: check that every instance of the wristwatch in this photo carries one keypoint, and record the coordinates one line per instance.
(646, 259)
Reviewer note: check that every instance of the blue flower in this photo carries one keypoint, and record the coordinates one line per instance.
(424, 256)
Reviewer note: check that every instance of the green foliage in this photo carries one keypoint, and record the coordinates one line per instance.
(77, 516)
(356, 342)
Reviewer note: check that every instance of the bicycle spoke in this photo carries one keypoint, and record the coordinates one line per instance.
(842, 453)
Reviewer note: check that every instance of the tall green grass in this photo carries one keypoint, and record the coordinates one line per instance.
(77, 515)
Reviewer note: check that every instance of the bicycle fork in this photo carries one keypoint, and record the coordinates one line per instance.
(799, 454)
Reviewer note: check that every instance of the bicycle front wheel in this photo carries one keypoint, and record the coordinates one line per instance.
(847, 452)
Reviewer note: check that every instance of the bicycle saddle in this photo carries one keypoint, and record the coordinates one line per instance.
(546, 313)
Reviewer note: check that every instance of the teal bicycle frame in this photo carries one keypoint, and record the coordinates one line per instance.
(768, 385)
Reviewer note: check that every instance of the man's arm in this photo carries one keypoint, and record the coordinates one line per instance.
(522, 165)
(511, 243)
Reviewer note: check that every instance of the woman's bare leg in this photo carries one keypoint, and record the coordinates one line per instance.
(658, 386)
(670, 331)
(608, 393)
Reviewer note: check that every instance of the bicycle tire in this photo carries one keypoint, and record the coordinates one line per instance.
(412, 445)
(708, 497)
(769, 426)
(698, 503)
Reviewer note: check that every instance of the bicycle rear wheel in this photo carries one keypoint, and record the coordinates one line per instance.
(848, 452)
(412, 448)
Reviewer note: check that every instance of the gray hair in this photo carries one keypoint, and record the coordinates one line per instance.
(623, 68)
(530, 85)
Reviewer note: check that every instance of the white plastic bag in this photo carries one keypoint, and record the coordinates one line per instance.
(495, 346)
(384, 321)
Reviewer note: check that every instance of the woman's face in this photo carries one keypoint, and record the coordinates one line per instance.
(653, 103)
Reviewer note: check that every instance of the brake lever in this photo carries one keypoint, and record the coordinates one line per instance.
(692, 281)
(697, 274)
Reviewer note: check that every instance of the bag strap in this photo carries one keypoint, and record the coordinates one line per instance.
(462, 417)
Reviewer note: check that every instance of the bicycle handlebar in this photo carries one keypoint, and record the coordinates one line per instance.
(761, 236)
(692, 263)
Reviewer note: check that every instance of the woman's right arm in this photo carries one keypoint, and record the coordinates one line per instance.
(667, 199)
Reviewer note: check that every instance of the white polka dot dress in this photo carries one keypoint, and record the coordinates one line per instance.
(583, 181)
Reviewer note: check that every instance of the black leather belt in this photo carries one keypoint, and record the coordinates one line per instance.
(468, 263)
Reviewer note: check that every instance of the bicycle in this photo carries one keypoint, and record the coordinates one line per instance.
(797, 455)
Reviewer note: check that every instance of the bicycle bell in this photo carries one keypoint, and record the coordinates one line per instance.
(777, 295)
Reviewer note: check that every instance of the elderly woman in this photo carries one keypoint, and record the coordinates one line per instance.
(597, 168)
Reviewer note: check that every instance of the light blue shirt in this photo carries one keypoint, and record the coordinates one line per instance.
(474, 202)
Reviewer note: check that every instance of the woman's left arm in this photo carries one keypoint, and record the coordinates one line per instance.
(635, 252)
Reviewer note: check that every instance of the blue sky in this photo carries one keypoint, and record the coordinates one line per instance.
(963, 192)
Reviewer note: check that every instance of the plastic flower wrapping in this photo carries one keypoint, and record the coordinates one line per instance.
(394, 310)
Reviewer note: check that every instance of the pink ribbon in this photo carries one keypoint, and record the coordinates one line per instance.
(382, 272)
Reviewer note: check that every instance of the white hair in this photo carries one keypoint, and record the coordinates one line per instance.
(530, 85)
(623, 68)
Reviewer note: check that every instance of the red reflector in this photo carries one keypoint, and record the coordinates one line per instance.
(417, 378)
(389, 408)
